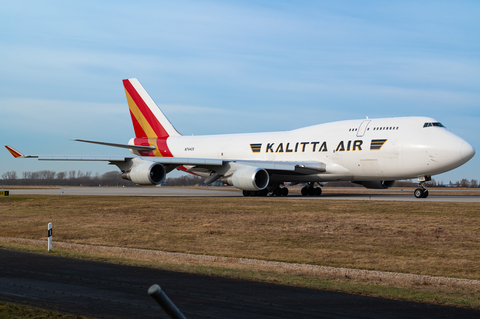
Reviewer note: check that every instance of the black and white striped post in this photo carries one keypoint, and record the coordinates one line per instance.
(49, 236)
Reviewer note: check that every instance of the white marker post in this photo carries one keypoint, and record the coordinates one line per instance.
(49, 236)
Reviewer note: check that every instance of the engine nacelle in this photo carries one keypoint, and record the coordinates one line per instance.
(377, 184)
(249, 179)
(147, 173)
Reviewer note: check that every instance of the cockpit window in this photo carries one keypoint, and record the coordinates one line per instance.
(438, 124)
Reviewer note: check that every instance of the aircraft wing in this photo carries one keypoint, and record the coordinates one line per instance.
(210, 163)
(297, 167)
(207, 163)
(132, 147)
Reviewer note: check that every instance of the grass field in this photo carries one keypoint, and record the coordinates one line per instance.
(13, 311)
(440, 239)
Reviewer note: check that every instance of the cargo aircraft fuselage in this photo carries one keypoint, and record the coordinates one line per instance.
(371, 152)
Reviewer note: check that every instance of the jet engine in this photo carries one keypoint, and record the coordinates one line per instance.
(147, 173)
(249, 178)
(377, 184)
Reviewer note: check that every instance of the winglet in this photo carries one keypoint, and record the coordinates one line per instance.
(14, 152)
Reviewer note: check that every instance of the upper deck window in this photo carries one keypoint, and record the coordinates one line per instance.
(430, 124)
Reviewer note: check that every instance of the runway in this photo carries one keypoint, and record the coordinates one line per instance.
(103, 290)
(362, 194)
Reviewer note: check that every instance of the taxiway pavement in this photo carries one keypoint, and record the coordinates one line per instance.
(103, 290)
(215, 192)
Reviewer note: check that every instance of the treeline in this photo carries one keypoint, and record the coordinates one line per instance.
(79, 178)
(473, 183)
(70, 178)
(185, 180)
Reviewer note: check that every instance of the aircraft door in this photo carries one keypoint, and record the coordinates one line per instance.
(363, 128)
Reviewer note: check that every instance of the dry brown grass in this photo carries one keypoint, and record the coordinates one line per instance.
(429, 238)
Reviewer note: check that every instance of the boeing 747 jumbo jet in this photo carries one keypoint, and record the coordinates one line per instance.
(370, 152)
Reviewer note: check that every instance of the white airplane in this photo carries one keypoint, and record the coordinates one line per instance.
(370, 152)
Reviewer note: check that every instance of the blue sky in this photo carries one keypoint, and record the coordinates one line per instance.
(230, 67)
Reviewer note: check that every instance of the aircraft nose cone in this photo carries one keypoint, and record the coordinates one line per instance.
(467, 151)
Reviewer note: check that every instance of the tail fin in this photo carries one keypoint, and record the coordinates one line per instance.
(148, 120)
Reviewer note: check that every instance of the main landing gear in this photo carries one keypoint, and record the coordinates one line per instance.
(280, 191)
(276, 190)
(311, 190)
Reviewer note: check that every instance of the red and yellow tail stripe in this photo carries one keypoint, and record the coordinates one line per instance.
(14, 152)
(148, 129)
(144, 121)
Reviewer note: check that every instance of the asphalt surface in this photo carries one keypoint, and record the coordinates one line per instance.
(215, 192)
(103, 290)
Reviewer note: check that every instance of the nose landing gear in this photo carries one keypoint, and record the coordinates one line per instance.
(422, 191)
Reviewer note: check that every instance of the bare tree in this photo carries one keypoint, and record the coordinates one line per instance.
(185, 180)
(61, 175)
(46, 174)
(474, 183)
(464, 182)
(432, 183)
(9, 175)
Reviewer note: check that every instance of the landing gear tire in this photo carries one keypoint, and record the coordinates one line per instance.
(421, 193)
(280, 191)
(305, 191)
(263, 192)
(311, 191)
(246, 193)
